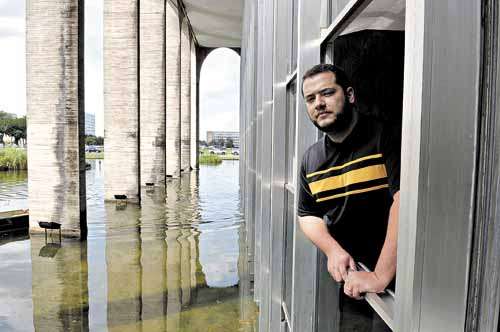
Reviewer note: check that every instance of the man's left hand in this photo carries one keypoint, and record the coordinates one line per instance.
(359, 282)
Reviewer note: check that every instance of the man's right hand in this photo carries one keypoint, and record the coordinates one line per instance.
(339, 263)
(339, 260)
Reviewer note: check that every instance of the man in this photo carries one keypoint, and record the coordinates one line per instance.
(349, 185)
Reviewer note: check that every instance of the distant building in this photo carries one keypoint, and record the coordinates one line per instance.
(225, 135)
(89, 124)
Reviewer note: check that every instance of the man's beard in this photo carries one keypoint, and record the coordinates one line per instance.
(342, 121)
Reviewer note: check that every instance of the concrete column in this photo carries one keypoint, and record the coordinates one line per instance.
(195, 126)
(121, 117)
(185, 96)
(55, 114)
(173, 77)
(152, 91)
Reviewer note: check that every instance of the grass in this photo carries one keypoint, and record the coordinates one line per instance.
(94, 155)
(210, 159)
(12, 159)
(228, 156)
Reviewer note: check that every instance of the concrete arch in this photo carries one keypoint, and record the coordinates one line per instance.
(203, 52)
(229, 87)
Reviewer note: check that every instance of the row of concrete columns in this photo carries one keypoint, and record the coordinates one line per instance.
(150, 103)
(158, 119)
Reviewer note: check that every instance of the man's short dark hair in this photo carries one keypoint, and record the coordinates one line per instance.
(340, 75)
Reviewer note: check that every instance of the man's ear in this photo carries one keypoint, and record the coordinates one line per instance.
(350, 95)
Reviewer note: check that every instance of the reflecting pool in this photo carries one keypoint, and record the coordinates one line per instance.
(177, 263)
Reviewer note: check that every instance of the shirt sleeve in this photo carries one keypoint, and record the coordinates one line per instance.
(307, 205)
(391, 150)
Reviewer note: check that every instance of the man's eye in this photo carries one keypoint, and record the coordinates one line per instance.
(310, 100)
(328, 92)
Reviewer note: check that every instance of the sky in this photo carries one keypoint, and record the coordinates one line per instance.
(219, 81)
(220, 92)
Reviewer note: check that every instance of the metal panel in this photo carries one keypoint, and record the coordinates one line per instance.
(440, 117)
(305, 254)
(281, 53)
(294, 31)
(484, 284)
(266, 151)
(249, 112)
(328, 316)
(258, 152)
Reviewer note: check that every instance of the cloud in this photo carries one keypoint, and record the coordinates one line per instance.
(12, 57)
(13, 75)
(12, 8)
(12, 27)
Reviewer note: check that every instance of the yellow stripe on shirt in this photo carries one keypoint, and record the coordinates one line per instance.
(355, 176)
(334, 168)
(352, 192)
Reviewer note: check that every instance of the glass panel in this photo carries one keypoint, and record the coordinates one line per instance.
(290, 135)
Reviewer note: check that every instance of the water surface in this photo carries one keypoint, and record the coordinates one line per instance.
(178, 263)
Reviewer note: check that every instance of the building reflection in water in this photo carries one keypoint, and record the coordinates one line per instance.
(152, 274)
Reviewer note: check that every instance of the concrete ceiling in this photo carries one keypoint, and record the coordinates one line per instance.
(216, 23)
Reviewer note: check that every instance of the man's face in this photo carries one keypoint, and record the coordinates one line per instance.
(326, 100)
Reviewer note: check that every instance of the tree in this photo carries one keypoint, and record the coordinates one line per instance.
(90, 140)
(12, 126)
(229, 143)
(219, 142)
(6, 116)
(4, 123)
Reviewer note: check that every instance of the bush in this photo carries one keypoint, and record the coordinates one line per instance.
(94, 155)
(13, 159)
(210, 159)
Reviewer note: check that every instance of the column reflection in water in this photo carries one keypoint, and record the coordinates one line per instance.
(197, 277)
(123, 258)
(59, 284)
(188, 206)
(173, 271)
(153, 259)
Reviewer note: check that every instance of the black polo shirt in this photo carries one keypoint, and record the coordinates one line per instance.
(350, 186)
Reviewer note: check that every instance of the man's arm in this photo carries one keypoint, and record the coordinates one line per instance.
(339, 260)
(385, 270)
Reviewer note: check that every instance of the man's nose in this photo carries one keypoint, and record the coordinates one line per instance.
(319, 102)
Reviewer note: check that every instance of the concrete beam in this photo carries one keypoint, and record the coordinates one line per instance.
(55, 115)
(121, 118)
(185, 96)
(152, 91)
(173, 124)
